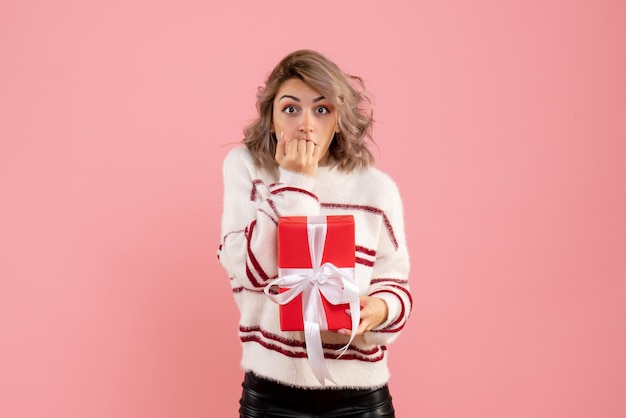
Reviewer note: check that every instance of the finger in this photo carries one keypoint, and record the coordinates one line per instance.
(280, 147)
(360, 330)
(365, 312)
(310, 148)
(291, 146)
(363, 328)
(317, 152)
(302, 143)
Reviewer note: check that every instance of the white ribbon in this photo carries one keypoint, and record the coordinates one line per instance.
(336, 284)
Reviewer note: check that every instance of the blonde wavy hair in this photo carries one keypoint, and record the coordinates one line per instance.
(348, 149)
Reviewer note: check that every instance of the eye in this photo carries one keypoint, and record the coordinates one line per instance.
(289, 109)
(322, 110)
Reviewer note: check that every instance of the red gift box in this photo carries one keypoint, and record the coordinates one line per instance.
(294, 253)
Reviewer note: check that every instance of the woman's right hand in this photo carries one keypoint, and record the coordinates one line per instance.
(298, 155)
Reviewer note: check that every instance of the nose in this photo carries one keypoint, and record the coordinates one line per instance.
(306, 123)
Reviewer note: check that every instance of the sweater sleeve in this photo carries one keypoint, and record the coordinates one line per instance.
(250, 217)
(391, 271)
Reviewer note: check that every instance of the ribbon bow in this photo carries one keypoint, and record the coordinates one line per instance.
(336, 284)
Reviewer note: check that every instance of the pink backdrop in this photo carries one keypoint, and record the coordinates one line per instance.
(502, 122)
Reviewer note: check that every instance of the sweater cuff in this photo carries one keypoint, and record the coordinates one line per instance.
(393, 308)
(294, 179)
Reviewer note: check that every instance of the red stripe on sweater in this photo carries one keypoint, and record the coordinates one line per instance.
(272, 347)
(401, 318)
(302, 354)
(219, 250)
(363, 261)
(300, 344)
(254, 261)
(368, 256)
(406, 292)
(398, 281)
(294, 189)
(364, 250)
(370, 209)
(400, 288)
(251, 277)
(241, 289)
(238, 231)
(269, 216)
(253, 192)
(273, 206)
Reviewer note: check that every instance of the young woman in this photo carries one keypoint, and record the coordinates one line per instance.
(306, 155)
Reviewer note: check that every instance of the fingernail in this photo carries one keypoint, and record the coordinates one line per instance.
(282, 135)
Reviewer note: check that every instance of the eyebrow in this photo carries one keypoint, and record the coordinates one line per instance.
(288, 96)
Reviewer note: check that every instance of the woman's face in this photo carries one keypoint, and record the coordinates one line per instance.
(300, 112)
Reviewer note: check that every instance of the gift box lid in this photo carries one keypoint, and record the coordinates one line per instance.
(293, 247)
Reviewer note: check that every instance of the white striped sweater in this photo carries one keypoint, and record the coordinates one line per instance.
(253, 200)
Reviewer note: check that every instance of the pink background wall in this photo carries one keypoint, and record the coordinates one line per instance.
(503, 122)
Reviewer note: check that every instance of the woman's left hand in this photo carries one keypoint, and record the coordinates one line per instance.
(373, 313)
